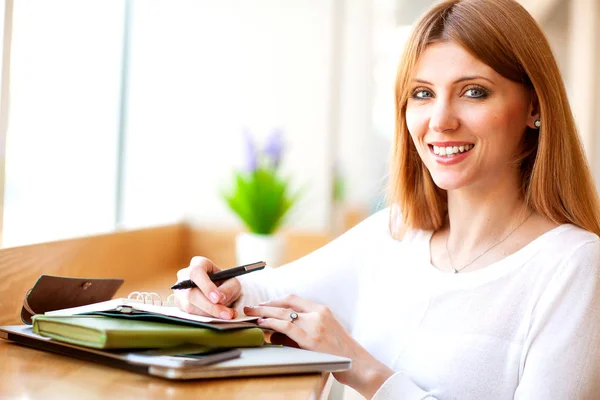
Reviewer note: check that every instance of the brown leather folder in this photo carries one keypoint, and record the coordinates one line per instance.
(57, 292)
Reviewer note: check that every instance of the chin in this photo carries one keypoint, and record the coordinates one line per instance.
(449, 182)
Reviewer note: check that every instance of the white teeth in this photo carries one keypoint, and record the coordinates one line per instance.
(450, 150)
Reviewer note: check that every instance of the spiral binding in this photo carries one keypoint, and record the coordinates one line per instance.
(151, 298)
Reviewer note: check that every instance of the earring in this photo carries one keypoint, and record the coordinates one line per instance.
(537, 123)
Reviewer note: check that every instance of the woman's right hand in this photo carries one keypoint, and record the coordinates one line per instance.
(209, 298)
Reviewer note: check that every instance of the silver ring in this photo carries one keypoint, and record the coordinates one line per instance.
(293, 316)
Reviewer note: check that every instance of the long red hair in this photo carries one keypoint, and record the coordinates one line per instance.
(555, 177)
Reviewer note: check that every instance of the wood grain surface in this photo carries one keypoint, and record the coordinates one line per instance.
(148, 260)
(27, 373)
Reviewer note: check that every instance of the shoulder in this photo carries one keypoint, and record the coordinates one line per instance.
(373, 229)
(374, 226)
(569, 239)
(561, 254)
(570, 268)
(387, 221)
(583, 246)
(564, 236)
(574, 251)
(381, 228)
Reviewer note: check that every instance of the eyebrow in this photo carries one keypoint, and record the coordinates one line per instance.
(462, 79)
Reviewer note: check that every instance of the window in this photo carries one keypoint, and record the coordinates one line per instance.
(63, 121)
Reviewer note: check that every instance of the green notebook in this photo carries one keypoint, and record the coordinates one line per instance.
(117, 333)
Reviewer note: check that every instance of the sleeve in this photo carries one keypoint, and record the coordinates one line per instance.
(400, 387)
(561, 356)
(330, 275)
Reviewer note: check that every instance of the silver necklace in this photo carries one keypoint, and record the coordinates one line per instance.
(456, 270)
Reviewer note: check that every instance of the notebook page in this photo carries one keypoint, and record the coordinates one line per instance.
(174, 311)
(101, 306)
(171, 311)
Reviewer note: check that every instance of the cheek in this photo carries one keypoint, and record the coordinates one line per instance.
(516, 123)
(479, 120)
(416, 123)
(508, 126)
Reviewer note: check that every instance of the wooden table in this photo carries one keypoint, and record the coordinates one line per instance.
(148, 260)
(27, 373)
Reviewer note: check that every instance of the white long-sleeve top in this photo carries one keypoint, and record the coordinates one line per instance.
(525, 327)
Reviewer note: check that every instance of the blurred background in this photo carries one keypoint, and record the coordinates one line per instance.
(126, 114)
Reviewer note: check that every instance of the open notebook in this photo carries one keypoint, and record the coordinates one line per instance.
(140, 309)
(65, 296)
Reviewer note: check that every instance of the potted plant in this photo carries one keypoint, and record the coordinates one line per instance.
(261, 198)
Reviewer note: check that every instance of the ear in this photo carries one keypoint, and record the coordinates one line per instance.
(533, 112)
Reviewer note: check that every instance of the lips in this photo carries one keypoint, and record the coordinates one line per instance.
(448, 153)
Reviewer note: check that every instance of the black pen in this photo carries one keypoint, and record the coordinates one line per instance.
(223, 275)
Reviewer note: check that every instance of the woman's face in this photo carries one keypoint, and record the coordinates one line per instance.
(465, 119)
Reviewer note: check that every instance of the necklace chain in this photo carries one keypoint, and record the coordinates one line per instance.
(457, 270)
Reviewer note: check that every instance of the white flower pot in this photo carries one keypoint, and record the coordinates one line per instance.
(252, 247)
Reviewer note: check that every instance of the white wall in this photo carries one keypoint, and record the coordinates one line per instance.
(362, 153)
(596, 132)
(202, 71)
(556, 28)
(573, 29)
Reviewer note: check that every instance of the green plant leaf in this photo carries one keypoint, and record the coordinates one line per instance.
(261, 199)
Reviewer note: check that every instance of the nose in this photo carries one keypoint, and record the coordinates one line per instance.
(443, 117)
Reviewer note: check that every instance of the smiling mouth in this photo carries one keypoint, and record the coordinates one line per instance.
(451, 151)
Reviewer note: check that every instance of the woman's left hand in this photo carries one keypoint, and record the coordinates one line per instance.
(317, 329)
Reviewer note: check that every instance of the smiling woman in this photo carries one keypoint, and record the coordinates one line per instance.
(466, 104)
(483, 275)
(491, 65)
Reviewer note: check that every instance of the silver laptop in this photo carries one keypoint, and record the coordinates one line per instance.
(183, 364)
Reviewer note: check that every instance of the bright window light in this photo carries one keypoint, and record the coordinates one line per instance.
(63, 119)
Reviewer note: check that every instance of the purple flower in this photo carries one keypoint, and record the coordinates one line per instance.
(274, 147)
(251, 156)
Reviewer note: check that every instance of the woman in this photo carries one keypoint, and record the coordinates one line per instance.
(480, 281)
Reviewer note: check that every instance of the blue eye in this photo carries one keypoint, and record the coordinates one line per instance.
(476, 93)
(421, 94)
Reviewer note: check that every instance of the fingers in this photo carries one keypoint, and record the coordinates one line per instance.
(294, 302)
(207, 298)
(198, 271)
(280, 321)
(196, 299)
(196, 303)
(268, 312)
(188, 307)
(287, 328)
(282, 339)
(231, 290)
